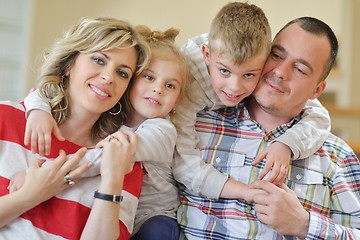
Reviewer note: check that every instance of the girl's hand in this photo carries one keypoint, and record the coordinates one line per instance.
(39, 127)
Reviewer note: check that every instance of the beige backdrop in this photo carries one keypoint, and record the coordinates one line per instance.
(48, 19)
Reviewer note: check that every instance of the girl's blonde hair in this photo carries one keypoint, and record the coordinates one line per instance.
(89, 35)
(163, 46)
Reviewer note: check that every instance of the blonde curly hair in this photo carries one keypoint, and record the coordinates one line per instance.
(89, 35)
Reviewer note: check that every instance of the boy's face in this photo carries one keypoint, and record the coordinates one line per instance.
(233, 82)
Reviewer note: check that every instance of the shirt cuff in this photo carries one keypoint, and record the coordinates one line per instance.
(214, 184)
(320, 228)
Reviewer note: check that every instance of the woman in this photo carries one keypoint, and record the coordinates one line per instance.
(84, 77)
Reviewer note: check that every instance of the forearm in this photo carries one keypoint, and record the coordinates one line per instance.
(35, 101)
(15, 204)
(103, 221)
(308, 135)
(198, 176)
(234, 190)
(156, 141)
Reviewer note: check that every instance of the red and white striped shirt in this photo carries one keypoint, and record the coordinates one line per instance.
(63, 216)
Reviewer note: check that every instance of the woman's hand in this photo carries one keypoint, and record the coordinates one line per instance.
(117, 157)
(43, 182)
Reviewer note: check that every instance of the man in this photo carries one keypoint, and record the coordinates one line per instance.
(320, 198)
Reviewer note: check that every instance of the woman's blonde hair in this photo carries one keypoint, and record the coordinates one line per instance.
(162, 46)
(89, 35)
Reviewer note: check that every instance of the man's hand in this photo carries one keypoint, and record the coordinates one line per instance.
(280, 208)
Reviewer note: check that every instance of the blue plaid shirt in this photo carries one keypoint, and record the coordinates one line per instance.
(327, 183)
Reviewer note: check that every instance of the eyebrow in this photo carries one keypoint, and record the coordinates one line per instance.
(227, 67)
(154, 72)
(299, 60)
(121, 65)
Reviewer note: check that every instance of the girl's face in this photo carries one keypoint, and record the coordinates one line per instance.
(99, 79)
(156, 91)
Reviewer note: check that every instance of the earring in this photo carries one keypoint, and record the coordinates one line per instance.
(61, 83)
(173, 111)
(116, 113)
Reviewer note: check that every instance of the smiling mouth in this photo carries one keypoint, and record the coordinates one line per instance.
(231, 96)
(98, 91)
(273, 87)
(153, 101)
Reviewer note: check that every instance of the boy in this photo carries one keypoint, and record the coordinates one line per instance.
(226, 65)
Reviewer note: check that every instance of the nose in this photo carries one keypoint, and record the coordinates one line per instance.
(236, 84)
(107, 75)
(281, 70)
(158, 89)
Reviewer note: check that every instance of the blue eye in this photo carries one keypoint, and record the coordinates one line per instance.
(224, 71)
(123, 74)
(98, 60)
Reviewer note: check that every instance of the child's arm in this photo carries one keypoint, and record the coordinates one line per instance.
(40, 124)
(309, 134)
(189, 168)
(156, 141)
(303, 139)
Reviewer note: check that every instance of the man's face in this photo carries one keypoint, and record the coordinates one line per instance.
(292, 71)
(233, 82)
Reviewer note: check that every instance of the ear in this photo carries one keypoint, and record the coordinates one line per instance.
(206, 53)
(318, 90)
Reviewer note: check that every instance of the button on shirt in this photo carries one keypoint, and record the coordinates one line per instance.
(327, 183)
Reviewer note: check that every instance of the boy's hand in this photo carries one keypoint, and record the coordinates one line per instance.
(17, 181)
(278, 156)
(39, 127)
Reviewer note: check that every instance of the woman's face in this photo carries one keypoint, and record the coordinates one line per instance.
(98, 80)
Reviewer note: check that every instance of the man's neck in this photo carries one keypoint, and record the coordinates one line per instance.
(267, 119)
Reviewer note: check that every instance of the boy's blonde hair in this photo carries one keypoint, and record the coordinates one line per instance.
(240, 31)
(89, 35)
(162, 46)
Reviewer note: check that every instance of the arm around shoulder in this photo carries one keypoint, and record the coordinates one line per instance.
(308, 135)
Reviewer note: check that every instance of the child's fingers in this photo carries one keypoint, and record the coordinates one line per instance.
(266, 170)
(281, 176)
(274, 173)
(27, 137)
(57, 133)
(34, 142)
(47, 141)
(41, 144)
(259, 157)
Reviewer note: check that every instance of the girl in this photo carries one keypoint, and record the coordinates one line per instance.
(153, 95)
